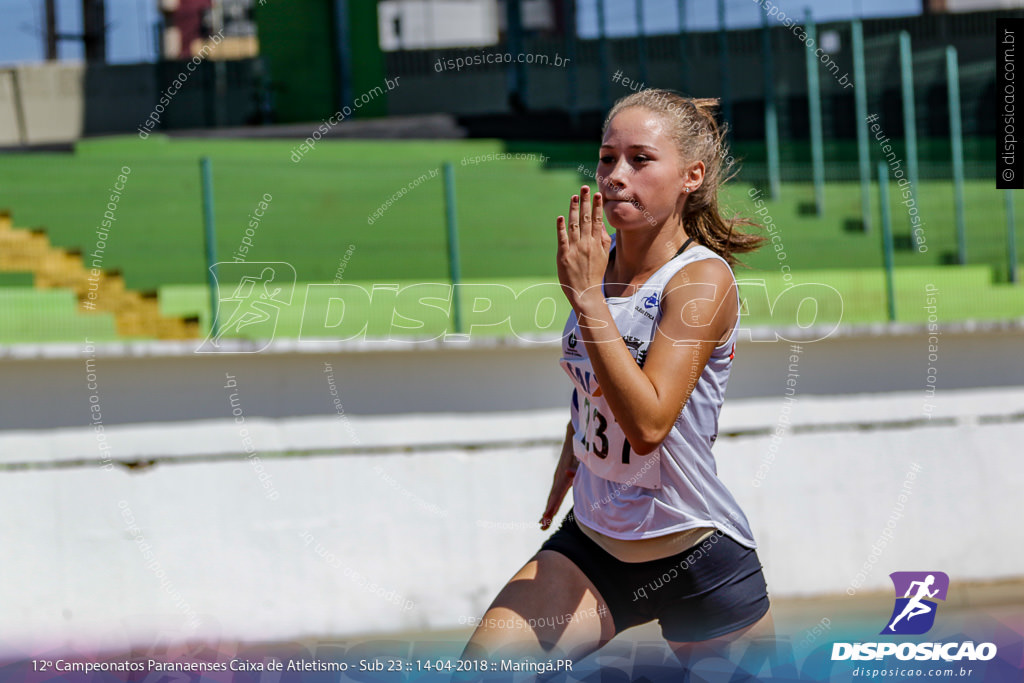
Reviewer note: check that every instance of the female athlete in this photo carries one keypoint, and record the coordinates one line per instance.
(653, 533)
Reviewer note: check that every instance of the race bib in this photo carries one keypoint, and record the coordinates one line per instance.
(599, 442)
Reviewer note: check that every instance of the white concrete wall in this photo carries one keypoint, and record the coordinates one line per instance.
(425, 470)
(439, 530)
(167, 381)
(62, 101)
(10, 133)
(53, 101)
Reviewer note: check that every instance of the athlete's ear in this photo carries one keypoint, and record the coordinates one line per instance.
(693, 177)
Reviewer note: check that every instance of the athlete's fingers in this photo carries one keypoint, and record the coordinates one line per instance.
(598, 219)
(585, 211)
(549, 513)
(558, 492)
(548, 516)
(573, 230)
(563, 237)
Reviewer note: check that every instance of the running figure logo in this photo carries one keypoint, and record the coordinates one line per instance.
(914, 613)
(258, 292)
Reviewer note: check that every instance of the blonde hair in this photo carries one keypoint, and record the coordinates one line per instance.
(698, 137)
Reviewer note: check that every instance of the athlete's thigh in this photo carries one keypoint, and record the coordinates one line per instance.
(548, 609)
(734, 646)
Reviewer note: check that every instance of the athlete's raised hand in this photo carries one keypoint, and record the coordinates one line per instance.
(583, 244)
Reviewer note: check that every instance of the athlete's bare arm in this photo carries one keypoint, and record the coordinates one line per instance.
(698, 311)
(565, 471)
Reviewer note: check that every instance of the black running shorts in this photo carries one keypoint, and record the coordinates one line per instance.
(710, 589)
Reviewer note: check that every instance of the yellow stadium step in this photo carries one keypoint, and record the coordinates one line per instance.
(63, 270)
(23, 250)
(136, 314)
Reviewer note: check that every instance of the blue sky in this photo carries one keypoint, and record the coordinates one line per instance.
(131, 37)
(662, 16)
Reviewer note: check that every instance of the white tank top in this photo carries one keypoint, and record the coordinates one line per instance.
(676, 486)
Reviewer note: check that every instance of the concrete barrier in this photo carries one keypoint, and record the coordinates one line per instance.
(336, 492)
(11, 132)
(146, 382)
(253, 529)
(60, 102)
(52, 100)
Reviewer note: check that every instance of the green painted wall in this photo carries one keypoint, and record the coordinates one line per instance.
(367, 58)
(297, 39)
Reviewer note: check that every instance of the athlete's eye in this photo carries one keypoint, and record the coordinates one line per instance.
(641, 159)
(606, 159)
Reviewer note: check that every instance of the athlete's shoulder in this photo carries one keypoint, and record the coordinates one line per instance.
(702, 295)
(706, 271)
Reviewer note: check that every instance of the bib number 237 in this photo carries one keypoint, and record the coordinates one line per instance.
(595, 433)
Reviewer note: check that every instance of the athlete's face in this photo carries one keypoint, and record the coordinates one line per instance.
(640, 171)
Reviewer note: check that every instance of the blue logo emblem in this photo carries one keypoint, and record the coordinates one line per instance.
(914, 612)
(651, 301)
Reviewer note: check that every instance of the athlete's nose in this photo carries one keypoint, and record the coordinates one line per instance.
(615, 177)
